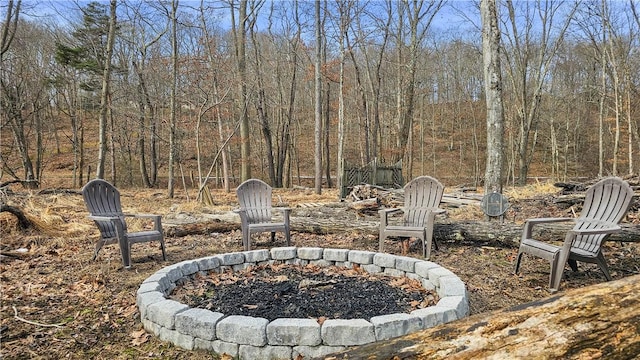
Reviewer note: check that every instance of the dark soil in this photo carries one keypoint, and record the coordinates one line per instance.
(293, 291)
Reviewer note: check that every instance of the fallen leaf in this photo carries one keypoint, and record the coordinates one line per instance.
(139, 337)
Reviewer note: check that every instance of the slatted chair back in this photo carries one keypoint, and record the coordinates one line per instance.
(254, 196)
(103, 203)
(422, 195)
(605, 203)
(103, 199)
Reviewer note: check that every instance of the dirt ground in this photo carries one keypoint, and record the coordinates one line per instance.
(57, 303)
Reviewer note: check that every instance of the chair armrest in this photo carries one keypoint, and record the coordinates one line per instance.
(143, 216)
(103, 218)
(157, 219)
(285, 214)
(530, 223)
(608, 230)
(388, 211)
(548, 220)
(244, 221)
(384, 215)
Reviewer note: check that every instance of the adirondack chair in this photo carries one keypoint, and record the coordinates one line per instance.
(605, 204)
(255, 211)
(422, 197)
(103, 202)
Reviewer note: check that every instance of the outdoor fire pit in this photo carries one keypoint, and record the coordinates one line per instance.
(248, 337)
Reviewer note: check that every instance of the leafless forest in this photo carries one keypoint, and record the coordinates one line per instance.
(145, 92)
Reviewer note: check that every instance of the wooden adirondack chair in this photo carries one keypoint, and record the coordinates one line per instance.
(605, 204)
(103, 202)
(255, 211)
(422, 197)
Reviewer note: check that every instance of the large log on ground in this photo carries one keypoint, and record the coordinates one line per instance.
(595, 322)
(203, 228)
(335, 220)
(485, 232)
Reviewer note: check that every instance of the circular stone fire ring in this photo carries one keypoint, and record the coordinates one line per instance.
(246, 337)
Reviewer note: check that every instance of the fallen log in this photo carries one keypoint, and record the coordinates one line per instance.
(335, 220)
(491, 233)
(598, 321)
(23, 221)
(203, 228)
(367, 205)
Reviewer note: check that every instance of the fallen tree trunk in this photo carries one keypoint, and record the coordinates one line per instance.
(204, 228)
(314, 221)
(486, 232)
(598, 321)
(23, 221)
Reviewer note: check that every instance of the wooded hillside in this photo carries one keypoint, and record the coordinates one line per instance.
(199, 89)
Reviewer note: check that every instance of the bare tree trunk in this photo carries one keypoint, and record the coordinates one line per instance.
(344, 21)
(318, 103)
(375, 78)
(104, 98)
(142, 125)
(493, 93)
(261, 101)
(327, 114)
(601, 104)
(240, 36)
(420, 19)
(174, 99)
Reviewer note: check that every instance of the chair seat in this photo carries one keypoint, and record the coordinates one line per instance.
(544, 250)
(396, 228)
(144, 236)
(264, 227)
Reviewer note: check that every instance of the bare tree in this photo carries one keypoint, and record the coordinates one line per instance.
(105, 95)
(373, 57)
(240, 41)
(419, 17)
(173, 16)
(528, 64)
(493, 96)
(318, 102)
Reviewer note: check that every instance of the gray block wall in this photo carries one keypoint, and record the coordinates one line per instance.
(248, 337)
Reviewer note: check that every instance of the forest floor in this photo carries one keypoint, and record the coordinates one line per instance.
(57, 303)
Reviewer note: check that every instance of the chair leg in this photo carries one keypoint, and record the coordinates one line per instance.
(273, 236)
(556, 273)
(99, 244)
(164, 254)
(518, 261)
(381, 244)
(287, 236)
(573, 264)
(126, 254)
(602, 263)
(246, 239)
